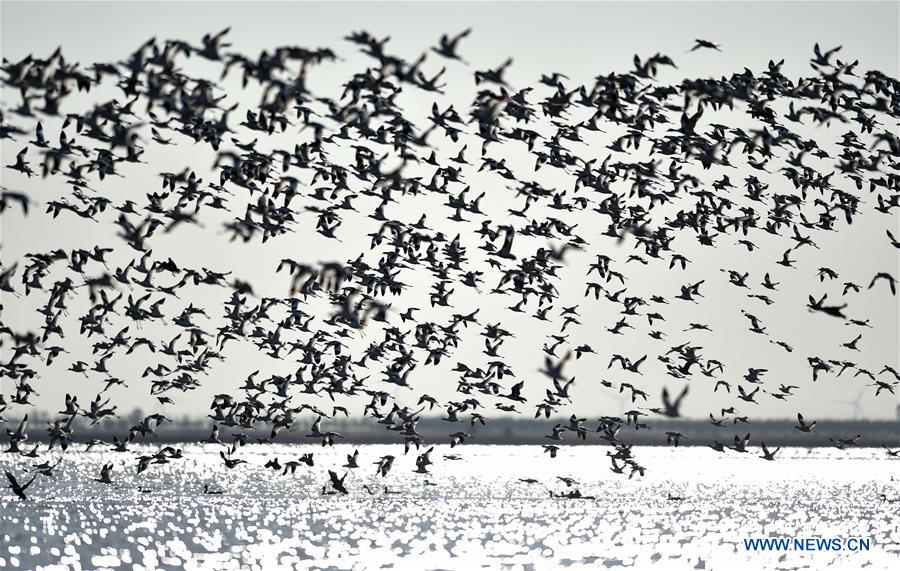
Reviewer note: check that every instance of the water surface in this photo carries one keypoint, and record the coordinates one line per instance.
(477, 515)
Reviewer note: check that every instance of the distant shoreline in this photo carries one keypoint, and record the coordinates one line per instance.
(518, 432)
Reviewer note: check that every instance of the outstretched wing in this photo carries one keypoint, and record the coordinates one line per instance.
(681, 396)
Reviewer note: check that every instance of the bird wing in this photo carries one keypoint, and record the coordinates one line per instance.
(681, 396)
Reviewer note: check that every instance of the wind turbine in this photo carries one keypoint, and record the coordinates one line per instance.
(857, 409)
(622, 400)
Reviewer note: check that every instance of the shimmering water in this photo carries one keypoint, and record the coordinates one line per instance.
(477, 515)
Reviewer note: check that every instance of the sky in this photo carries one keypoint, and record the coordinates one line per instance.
(581, 40)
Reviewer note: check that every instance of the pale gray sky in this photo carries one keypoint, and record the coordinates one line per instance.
(581, 40)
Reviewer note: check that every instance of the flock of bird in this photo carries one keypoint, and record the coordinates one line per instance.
(655, 206)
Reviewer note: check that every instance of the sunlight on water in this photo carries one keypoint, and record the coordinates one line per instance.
(478, 513)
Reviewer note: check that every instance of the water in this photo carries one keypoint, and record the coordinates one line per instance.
(478, 515)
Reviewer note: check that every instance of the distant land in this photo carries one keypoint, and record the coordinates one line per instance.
(780, 432)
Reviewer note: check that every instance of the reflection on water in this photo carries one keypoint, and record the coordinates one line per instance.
(477, 513)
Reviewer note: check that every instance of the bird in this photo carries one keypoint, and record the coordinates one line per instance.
(17, 488)
(740, 444)
(674, 438)
(105, 472)
(384, 465)
(844, 443)
(767, 454)
(804, 426)
(671, 408)
(21, 164)
(447, 45)
(423, 460)
(892, 282)
(337, 483)
(745, 396)
(698, 44)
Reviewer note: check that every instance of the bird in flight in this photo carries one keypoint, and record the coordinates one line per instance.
(705, 44)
